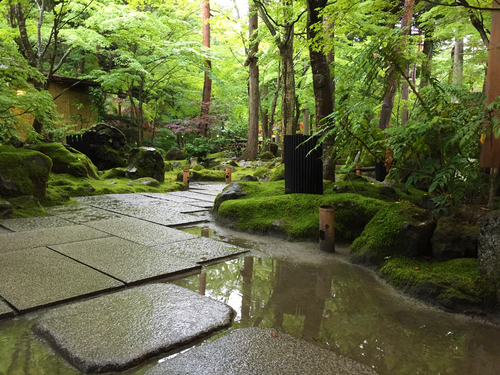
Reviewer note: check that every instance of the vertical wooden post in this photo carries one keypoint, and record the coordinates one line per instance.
(228, 175)
(186, 177)
(327, 229)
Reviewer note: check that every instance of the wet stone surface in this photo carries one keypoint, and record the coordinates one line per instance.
(182, 200)
(38, 277)
(120, 330)
(194, 195)
(82, 213)
(202, 250)
(50, 236)
(124, 260)
(18, 225)
(140, 231)
(259, 351)
(5, 310)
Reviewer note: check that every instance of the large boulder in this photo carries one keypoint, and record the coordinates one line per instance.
(23, 172)
(67, 160)
(145, 162)
(5, 209)
(453, 239)
(107, 146)
(233, 191)
(488, 250)
(175, 153)
(398, 229)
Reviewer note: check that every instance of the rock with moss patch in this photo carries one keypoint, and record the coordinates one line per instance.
(67, 160)
(107, 146)
(175, 153)
(278, 174)
(114, 173)
(5, 209)
(148, 181)
(262, 173)
(168, 167)
(23, 172)
(398, 229)
(198, 167)
(249, 177)
(222, 167)
(366, 189)
(233, 191)
(488, 252)
(454, 239)
(26, 206)
(266, 156)
(145, 162)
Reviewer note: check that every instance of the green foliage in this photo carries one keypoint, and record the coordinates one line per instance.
(199, 148)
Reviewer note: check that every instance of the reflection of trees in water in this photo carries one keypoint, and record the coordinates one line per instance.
(347, 310)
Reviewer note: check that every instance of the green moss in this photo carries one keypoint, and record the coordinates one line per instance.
(208, 175)
(198, 167)
(67, 161)
(267, 155)
(278, 174)
(457, 279)
(114, 173)
(366, 189)
(383, 230)
(27, 168)
(262, 172)
(26, 206)
(297, 214)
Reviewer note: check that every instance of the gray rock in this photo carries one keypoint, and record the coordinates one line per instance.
(175, 154)
(176, 164)
(5, 209)
(249, 177)
(145, 162)
(148, 181)
(233, 191)
(118, 331)
(453, 239)
(488, 250)
(260, 351)
(389, 193)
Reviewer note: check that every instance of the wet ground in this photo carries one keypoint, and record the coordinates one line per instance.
(311, 295)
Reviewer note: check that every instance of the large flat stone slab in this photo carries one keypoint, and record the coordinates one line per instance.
(120, 330)
(193, 195)
(164, 216)
(124, 260)
(183, 200)
(201, 249)
(82, 213)
(31, 223)
(259, 351)
(38, 277)
(5, 310)
(50, 236)
(140, 231)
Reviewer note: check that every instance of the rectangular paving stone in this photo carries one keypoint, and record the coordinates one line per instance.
(38, 277)
(50, 236)
(165, 216)
(186, 200)
(193, 195)
(140, 231)
(6, 311)
(125, 260)
(118, 331)
(201, 249)
(82, 213)
(18, 225)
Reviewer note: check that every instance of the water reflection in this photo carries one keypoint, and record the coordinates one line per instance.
(345, 309)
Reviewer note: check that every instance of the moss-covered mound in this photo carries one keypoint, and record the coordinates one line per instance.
(268, 208)
(455, 284)
(278, 174)
(23, 172)
(398, 229)
(67, 160)
(204, 175)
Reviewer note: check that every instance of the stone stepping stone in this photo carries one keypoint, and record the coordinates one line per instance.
(202, 250)
(165, 216)
(82, 213)
(176, 206)
(6, 311)
(259, 351)
(39, 277)
(185, 200)
(121, 330)
(193, 195)
(124, 260)
(18, 225)
(50, 236)
(140, 231)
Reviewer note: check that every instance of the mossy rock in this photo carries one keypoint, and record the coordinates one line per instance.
(114, 173)
(145, 162)
(107, 146)
(278, 174)
(267, 208)
(175, 153)
(26, 206)
(398, 229)
(203, 175)
(198, 167)
(266, 156)
(6, 209)
(454, 239)
(366, 189)
(67, 160)
(262, 173)
(23, 172)
(168, 166)
(147, 181)
(454, 285)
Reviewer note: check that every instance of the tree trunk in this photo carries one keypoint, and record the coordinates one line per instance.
(305, 122)
(251, 149)
(458, 61)
(323, 96)
(274, 103)
(207, 86)
(264, 119)
(427, 50)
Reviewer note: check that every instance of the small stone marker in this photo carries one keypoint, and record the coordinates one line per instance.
(121, 330)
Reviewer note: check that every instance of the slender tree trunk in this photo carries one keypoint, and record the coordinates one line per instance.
(274, 103)
(458, 61)
(427, 50)
(264, 119)
(251, 149)
(207, 86)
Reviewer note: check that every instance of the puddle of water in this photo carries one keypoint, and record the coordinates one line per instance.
(345, 309)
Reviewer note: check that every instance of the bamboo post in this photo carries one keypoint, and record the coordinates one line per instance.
(327, 229)
(228, 175)
(186, 177)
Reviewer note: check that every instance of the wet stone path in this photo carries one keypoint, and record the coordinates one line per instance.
(146, 284)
